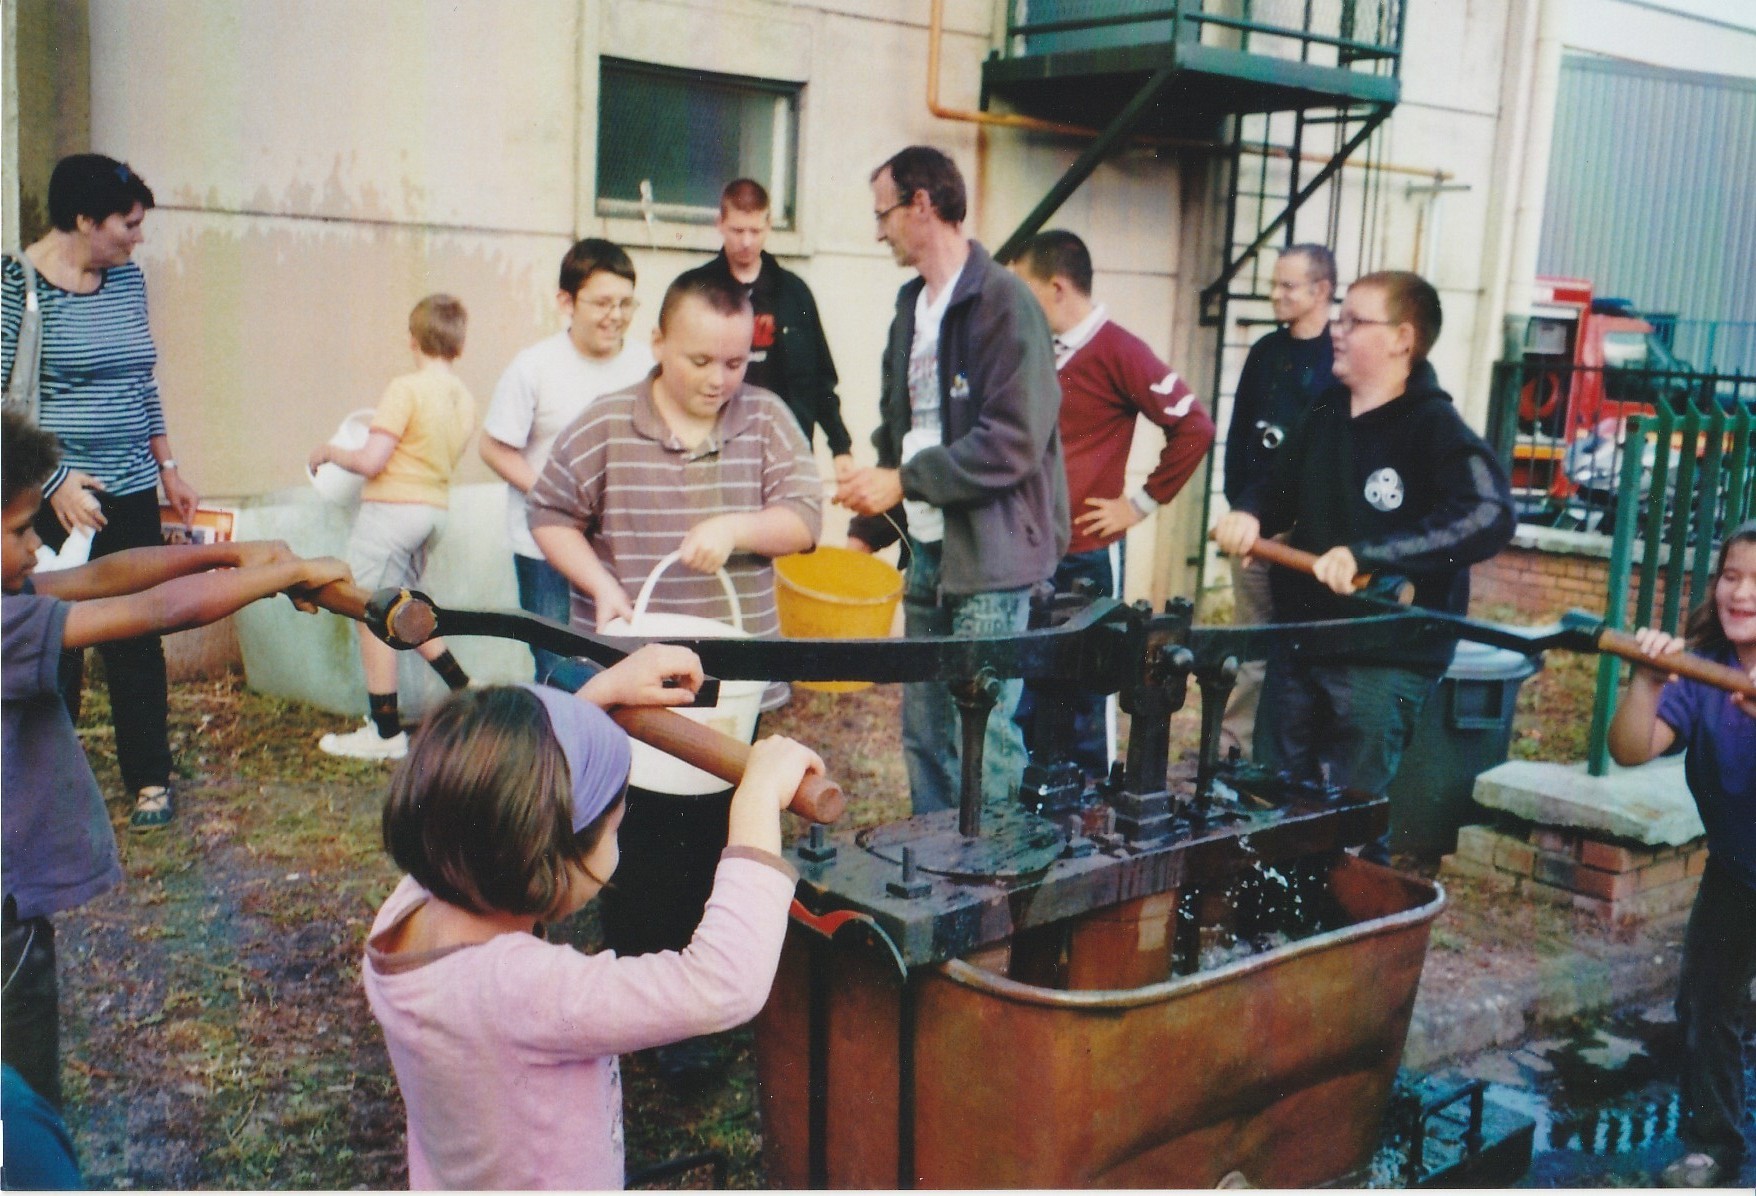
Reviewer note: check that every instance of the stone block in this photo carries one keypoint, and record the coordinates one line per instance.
(1649, 805)
(1695, 863)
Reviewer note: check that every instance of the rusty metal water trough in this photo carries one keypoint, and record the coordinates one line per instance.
(1278, 1066)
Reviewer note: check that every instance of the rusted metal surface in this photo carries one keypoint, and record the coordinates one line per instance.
(961, 910)
(1278, 1065)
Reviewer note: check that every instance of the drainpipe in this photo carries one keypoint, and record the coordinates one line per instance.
(1533, 174)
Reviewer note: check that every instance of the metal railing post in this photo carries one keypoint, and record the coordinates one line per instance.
(1628, 492)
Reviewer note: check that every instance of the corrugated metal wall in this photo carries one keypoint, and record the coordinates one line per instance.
(1650, 188)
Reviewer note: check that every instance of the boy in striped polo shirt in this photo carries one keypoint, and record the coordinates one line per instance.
(692, 461)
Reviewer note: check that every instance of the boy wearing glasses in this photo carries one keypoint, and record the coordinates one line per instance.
(1383, 476)
(789, 354)
(545, 389)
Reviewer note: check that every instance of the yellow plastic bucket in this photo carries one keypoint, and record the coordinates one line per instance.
(835, 593)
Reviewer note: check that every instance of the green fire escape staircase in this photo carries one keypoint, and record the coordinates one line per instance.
(1281, 92)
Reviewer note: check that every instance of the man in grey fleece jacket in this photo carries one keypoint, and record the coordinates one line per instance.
(969, 447)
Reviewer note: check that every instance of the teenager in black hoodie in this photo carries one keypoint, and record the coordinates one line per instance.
(1382, 477)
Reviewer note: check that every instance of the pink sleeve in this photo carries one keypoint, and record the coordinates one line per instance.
(570, 1005)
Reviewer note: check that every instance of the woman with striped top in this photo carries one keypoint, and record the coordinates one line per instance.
(98, 395)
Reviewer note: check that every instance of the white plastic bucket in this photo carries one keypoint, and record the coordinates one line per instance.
(335, 484)
(739, 701)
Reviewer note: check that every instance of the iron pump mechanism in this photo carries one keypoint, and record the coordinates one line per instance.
(940, 885)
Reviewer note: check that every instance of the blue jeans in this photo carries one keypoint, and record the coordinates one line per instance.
(543, 591)
(932, 734)
(1092, 746)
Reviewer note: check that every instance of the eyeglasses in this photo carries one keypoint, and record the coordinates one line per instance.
(1346, 324)
(878, 217)
(603, 307)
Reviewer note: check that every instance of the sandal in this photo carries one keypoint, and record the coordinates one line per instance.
(153, 808)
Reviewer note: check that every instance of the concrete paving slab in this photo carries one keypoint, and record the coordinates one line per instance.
(1649, 804)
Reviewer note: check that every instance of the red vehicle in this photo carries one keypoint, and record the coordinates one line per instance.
(1588, 365)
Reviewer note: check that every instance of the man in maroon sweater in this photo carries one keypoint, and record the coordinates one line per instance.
(1108, 379)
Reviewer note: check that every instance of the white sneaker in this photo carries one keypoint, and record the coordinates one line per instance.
(366, 744)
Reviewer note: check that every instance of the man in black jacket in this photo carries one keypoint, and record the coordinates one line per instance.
(1382, 476)
(790, 355)
(969, 444)
(1284, 372)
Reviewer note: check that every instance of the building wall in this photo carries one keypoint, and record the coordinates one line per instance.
(1630, 170)
(322, 164)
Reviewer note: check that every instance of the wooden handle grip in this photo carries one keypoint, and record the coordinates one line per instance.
(1683, 664)
(344, 598)
(1276, 553)
(818, 799)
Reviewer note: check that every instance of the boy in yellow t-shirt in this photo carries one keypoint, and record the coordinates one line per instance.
(419, 432)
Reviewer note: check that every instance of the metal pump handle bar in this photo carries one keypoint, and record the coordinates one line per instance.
(1575, 628)
(405, 619)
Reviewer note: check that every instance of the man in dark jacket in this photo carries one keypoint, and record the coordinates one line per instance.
(968, 445)
(1284, 372)
(1382, 476)
(790, 354)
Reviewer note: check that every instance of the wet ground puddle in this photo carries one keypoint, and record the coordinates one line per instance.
(1604, 1099)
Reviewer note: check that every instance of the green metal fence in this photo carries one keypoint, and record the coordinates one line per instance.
(1684, 479)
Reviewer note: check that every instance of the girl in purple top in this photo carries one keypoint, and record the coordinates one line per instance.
(504, 815)
(1717, 731)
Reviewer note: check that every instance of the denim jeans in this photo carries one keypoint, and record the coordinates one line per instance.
(932, 735)
(1093, 740)
(543, 591)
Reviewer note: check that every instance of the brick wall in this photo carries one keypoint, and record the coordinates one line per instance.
(1544, 574)
(1618, 882)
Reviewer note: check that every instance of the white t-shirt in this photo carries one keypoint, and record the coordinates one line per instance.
(926, 522)
(544, 390)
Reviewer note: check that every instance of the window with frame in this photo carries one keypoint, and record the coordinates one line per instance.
(669, 140)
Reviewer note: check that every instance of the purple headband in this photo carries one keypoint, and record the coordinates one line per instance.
(596, 750)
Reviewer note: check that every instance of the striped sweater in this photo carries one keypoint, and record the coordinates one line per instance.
(620, 476)
(99, 395)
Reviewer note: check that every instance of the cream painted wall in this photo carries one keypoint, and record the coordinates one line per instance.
(321, 164)
(1716, 37)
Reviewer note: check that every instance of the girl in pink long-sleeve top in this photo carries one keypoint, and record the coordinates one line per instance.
(504, 814)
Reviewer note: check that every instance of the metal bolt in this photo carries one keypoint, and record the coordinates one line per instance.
(910, 886)
(817, 848)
